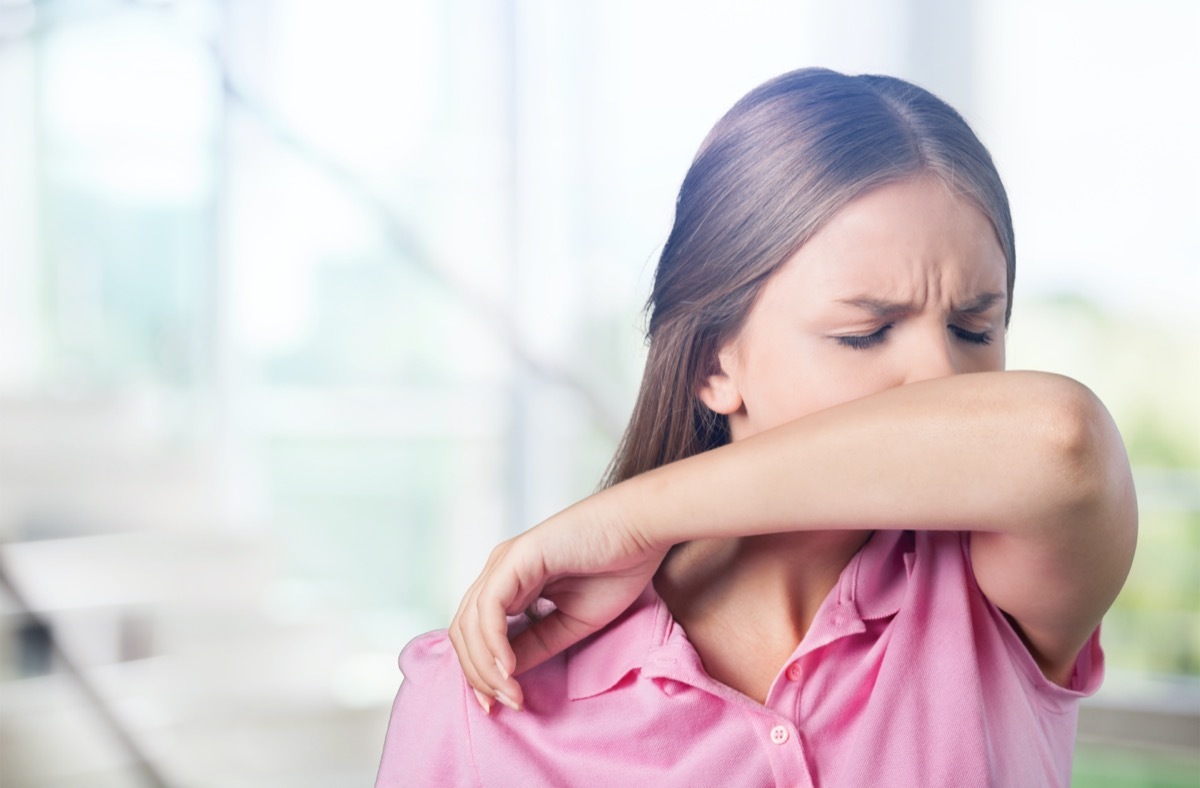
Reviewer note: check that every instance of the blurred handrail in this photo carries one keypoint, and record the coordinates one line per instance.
(142, 765)
(486, 309)
(400, 236)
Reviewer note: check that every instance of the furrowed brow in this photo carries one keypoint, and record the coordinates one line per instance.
(884, 309)
(878, 307)
(980, 304)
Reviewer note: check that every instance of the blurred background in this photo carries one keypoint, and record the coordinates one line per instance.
(304, 305)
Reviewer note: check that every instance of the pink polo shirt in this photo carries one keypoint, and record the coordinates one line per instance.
(908, 676)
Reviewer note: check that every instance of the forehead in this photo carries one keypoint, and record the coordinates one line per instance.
(912, 239)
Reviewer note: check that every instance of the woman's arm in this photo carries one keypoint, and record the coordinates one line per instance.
(1029, 462)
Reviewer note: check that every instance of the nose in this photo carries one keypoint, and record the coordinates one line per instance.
(932, 356)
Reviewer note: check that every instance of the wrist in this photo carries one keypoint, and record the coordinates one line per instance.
(627, 509)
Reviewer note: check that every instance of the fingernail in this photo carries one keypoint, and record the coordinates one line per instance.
(507, 701)
(500, 666)
(483, 702)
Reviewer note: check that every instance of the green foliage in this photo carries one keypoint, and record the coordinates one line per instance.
(1106, 766)
(1146, 370)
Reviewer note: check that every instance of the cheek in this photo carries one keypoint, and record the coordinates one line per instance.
(837, 376)
(989, 359)
(780, 387)
(859, 380)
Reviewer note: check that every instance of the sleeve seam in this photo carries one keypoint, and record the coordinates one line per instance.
(1050, 696)
(466, 690)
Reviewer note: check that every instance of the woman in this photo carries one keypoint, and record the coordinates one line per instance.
(838, 545)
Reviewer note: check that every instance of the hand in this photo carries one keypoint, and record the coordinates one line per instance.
(590, 566)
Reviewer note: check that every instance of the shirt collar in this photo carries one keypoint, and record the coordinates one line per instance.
(876, 579)
(872, 586)
(599, 662)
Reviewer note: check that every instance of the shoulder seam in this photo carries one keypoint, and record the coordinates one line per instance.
(470, 744)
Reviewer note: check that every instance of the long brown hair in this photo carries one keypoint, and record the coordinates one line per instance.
(774, 169)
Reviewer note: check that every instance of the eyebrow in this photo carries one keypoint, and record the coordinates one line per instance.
(883, 308)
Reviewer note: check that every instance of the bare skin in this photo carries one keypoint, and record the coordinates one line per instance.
(719, 591)
(864, 392)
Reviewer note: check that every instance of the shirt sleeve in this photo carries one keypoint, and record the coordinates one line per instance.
(1087, 673)
(428, 738)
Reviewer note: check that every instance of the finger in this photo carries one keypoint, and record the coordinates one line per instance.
(458, 626)
(496, 681)
(508, 589)
(458, 629)
(474, 656)
(464, 626)
(547, 637)
(472, 676)
(492, 631)
(480, 666)
(495, 659)
(480, 626)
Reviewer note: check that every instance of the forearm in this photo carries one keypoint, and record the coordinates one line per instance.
(999, 452)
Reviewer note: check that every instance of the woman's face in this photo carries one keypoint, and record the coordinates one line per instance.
(906, 283)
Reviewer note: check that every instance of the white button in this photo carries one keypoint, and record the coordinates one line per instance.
(779, 734)
(793, 671)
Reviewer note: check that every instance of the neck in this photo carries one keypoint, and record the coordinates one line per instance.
(746, 603)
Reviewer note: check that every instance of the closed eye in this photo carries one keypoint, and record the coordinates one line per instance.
(864, 341)
(973, 337)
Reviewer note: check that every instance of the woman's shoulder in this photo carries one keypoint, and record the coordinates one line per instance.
(440, 734)
(430, 659)
(428, 654)
(429, 737)
(430, 665)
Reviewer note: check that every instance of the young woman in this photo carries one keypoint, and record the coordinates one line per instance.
(838, 544)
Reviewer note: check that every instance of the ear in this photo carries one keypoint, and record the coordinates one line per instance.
(719, 390)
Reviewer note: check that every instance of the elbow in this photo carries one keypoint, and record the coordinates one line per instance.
(1081, 442)
(1089, 465)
